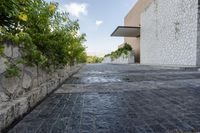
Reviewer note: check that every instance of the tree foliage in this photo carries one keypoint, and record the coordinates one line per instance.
(94, 59)
(46, 37)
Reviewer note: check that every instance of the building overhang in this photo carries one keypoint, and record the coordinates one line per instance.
(126, 31)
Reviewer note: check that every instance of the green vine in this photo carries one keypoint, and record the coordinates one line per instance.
(12, 71)
(120, 51)
(1, 50)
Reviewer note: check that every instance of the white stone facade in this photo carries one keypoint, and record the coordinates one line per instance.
(169, 33)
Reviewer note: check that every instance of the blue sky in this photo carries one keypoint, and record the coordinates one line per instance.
(98, 19)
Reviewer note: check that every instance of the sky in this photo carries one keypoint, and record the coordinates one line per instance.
(98, 19)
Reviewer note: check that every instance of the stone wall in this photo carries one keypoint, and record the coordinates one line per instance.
(19, 94)
(169, 33)
(123, 59)
(198, 34)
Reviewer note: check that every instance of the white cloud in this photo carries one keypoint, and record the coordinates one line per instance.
(98, 23)
(76, 9)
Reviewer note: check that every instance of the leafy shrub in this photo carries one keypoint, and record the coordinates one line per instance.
(46, 38)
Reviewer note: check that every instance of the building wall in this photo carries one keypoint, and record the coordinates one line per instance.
(169, 33)
(133, 19)
(198, 35)
(121, 45)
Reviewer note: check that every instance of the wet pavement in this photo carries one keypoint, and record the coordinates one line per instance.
(106, 98)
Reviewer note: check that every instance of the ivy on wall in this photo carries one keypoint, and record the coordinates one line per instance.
(46, 37)
(120, 51)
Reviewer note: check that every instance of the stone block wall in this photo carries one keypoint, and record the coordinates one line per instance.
(123, 59)
(19, 94)
(169, 33)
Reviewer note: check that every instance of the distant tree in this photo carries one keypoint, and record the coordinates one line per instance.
(94, 59)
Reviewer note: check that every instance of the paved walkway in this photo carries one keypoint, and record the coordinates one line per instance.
(120, 99)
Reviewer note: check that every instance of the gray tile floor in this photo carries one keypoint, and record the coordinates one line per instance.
(106, 98)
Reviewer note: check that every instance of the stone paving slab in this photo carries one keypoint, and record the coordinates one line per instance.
(163, 101)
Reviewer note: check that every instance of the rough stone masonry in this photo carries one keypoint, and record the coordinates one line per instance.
(20, 94)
